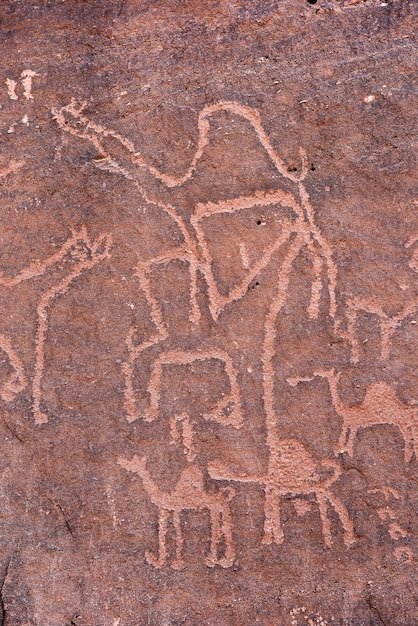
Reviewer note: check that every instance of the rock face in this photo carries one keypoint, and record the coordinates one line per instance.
(209, 307)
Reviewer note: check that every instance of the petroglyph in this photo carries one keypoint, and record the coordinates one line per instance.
(11, 88)
(380, 406)
(292, 472)
(388, 324)
(297, 234)
(296, 473)
(189, 494)
(387, 514)
(26, 78)
(17, 379)
(11, 168)
(219, 413)
(78, 254)
(182, 434)
(71, 119)
(84, 255)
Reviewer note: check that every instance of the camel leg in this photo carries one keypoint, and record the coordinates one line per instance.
(226, 529)
(161, 559)
(349, 537)
(342, 441)
(408, 436)
(350, 442)
(326, 528)
(215, 536)
(273, 532)
(178, 561)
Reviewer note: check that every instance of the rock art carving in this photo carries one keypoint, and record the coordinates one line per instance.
(292, 471)
(26, 78)
(78, 254)
(388, 324)
(17, 379)
(219, 414)
(297, 234)
(182, 434)
(380, 406)
(12, 167)
(188, 495)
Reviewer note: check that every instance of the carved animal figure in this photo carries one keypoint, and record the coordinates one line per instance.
(299, 233)
(380, 406)
(188, 494)
(78, 254)
(388, 324)
(292, 471)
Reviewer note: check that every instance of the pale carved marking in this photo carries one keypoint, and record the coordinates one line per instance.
(17, 379)
(86, 254)
(189, 494)
(387, 324)
(11, 88)
(387, 514)
(26, 79)
(290, 475)
(182, 434)
(12, 167)
(78, 254)
(380, 406)
(292, 472)
(219, 413)
(71, 119)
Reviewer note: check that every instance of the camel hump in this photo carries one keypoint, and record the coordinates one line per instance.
(380, 398)
(191, 479)
(291, 463)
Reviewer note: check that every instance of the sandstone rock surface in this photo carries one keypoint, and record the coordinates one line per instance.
(209, 313)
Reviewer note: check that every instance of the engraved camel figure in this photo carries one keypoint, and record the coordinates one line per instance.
(299, 232)
(380, 406)
(188, 494)
(292, 471)
(388, 324)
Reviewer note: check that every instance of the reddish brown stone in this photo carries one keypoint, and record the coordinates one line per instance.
(209, 297)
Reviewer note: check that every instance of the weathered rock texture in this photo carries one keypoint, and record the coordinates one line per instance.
(209, 306)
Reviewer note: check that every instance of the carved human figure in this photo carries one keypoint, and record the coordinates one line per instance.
(380, 406)
(292, 471)
(189, 494)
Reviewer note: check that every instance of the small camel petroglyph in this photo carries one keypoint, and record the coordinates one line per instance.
(388, 324)
(380, 406)
(78, 254)
(188, 495)
(292, 471)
